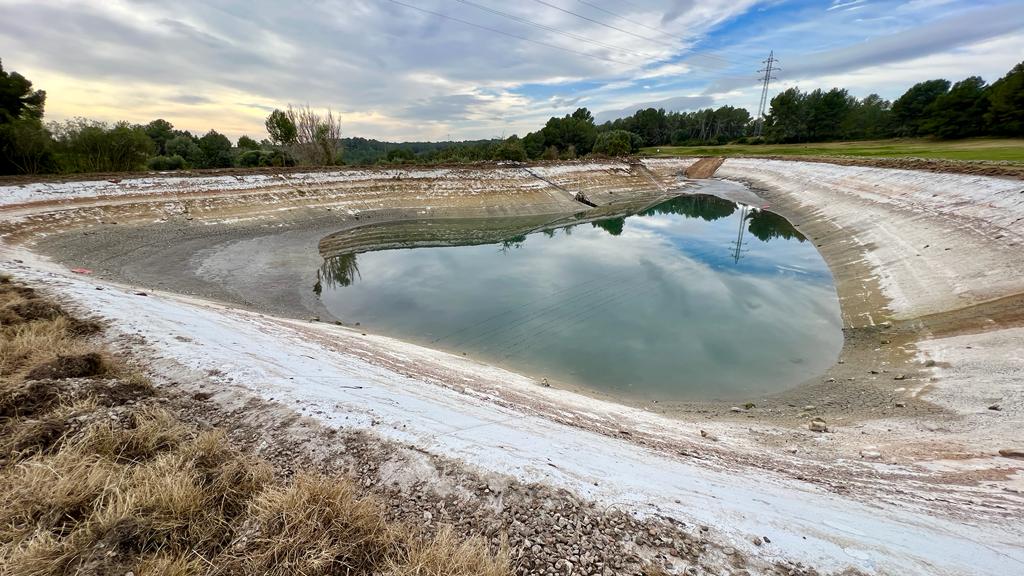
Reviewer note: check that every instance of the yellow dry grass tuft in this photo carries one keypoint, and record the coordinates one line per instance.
(89, 490)
(448, 555)
(314, 526)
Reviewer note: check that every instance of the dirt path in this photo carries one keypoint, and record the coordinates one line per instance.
(704, 168)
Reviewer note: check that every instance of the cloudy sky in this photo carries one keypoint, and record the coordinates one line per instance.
(439, 69)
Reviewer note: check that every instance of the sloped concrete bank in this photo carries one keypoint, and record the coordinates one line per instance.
(894, 495)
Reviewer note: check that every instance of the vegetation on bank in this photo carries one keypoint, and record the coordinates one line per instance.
(97, 478)
(936, 109)
(992, 149)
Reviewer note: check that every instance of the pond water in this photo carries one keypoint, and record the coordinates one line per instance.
(697, 298)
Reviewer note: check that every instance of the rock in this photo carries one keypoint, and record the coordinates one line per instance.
(995, 407)
(749, 406)
(427, 517)
(870, 454)
(767, 540)
(736, 409)
(929, 364)
(709, 435)
(728, 550)
(901, 404)
(809, 407)
(758, 541)
(1012, 453)
(817, 425)
(900, 377)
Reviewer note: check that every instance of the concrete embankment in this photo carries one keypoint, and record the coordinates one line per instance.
(889, 494)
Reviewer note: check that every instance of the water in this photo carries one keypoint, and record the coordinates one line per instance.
(697, 298)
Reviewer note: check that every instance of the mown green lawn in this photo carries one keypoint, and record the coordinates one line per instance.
(971, 149)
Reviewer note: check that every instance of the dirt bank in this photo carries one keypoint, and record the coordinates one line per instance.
(899, 494)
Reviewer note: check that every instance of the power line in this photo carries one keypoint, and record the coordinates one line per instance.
(624, 19)
(572, 35)
(765, 80)
(599, 23)
(509, 34)
(624, 31)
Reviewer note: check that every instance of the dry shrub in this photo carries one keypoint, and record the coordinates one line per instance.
(170, 565)
(26, 437)
(88, 365)
(149, 431)
(26, 399)
(33, 343)
(315, 526)
(54, 493)
(448, 555)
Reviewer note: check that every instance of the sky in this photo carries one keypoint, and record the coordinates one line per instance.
(468, 69)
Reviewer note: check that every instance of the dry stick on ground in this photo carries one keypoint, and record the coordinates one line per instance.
(96, 479)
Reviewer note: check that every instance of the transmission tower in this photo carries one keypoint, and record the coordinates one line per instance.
(769, 68)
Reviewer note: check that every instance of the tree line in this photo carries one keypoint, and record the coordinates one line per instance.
(303, 136)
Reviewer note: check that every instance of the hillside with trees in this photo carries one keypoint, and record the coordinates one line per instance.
(302, 136)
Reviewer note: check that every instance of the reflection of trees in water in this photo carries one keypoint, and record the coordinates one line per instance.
(768, 225)
(513, 242)
(336, 271)
(612, 226)
(703, 206)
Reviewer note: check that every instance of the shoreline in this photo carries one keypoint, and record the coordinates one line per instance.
(825, 462)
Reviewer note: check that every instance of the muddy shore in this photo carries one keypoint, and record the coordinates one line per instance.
(902, 355)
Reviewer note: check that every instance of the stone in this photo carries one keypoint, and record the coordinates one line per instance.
(870, 454)
(817, 425)
(708, 435)
(736, 409)
(758, 541)
(900, 377)
(929, 364)
(1012, 453)
(995, 407)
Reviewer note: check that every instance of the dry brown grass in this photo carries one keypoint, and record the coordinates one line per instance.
(91, 485)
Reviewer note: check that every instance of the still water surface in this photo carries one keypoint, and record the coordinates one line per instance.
(696, 298)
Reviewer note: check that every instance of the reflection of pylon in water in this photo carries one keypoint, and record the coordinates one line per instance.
(737, 245)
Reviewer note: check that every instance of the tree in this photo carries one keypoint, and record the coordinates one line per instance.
(215, 150)
(787, 116)
(826, 112)
(614, 143)
(1005, 115)
(311, 137)
(25, 145)
(576, 130)
(908, 111)
(510, 149)
(160, 131)
(246, 143)
(281, 128)
(87, 146)
(868, 118)
(184, 145)
(959, 113)
(18, 99)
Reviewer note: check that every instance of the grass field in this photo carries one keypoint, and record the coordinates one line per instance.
(972, 149)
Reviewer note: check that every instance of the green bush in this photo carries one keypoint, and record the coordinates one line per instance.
(165, 163)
